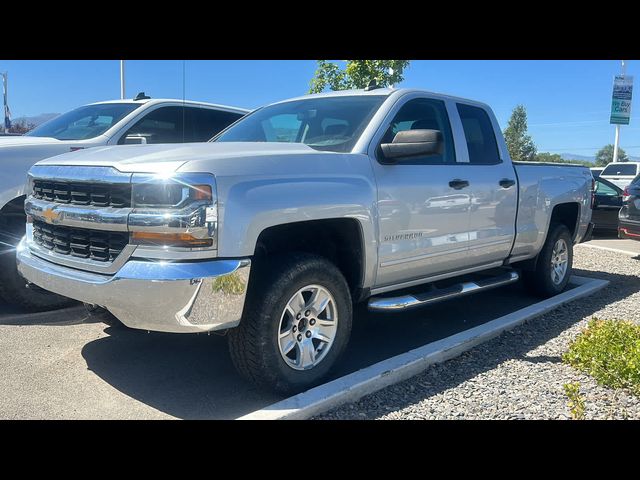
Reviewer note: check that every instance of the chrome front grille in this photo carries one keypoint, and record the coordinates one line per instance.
(84, 217)
(96, 245)
(99, 195)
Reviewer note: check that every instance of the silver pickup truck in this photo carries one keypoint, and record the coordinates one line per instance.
(271, 232)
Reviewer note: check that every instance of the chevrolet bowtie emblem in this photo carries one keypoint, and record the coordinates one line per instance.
(49, 215)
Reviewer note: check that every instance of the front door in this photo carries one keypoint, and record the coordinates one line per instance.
(607, 205)
(423, 214)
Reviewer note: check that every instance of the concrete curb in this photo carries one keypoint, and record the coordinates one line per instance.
(609, 249)
(406, 365)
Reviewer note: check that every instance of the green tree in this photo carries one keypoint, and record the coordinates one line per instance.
(519, 142)
(605, 156)
(357, 74)
(21, 127)
(547, 157)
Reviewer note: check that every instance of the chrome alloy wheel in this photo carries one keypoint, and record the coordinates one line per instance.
(559, 261)
(308, 327)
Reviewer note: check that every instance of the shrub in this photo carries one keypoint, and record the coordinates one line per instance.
(609, 351)
(576, 401)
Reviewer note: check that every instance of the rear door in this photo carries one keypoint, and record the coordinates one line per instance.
(493, 188)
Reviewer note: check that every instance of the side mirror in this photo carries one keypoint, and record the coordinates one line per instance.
(413, 143)
(135, 140)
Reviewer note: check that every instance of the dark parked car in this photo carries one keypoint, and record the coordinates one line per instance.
(596, 171)
(629, 219)
(606, 206)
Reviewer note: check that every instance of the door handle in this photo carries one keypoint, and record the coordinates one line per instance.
(507, 182)
(458, 184)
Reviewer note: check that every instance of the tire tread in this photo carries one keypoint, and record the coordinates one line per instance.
(538, 281)
(247, 342)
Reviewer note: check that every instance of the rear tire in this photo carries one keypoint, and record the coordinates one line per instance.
(296, 323)
(14, 289)
(555, 263)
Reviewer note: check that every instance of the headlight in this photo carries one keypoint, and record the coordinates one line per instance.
(169, 194)
(180, 211)
(163, 195)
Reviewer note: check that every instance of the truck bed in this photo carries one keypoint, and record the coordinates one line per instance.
(549, 164)
(541, 187)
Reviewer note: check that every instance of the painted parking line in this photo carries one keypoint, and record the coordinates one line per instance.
(401, 367)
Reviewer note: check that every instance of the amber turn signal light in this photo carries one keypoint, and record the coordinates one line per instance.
(170, 239)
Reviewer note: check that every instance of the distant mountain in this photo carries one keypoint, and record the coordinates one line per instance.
(573, 156)
(36, 120)
(587, 158)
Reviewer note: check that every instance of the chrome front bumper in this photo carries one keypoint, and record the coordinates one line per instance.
(152, 295)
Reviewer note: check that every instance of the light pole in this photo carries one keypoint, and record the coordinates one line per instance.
(616, 143)
(121, 79)
(4, 102)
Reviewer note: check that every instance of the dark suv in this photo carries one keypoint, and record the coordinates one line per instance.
(629, 217)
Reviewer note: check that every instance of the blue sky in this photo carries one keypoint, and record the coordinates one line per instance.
(567, 102)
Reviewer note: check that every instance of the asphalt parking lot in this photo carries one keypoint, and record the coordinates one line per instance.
(67, 364)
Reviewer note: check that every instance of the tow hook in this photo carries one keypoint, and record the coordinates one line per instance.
(93, 309)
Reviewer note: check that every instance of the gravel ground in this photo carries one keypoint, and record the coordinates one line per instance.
(520, 375)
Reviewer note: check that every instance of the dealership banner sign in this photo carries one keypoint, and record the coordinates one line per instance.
(621, 99)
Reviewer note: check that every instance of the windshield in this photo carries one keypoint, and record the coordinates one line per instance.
(323, 123)
(620, 168)
(84, 122)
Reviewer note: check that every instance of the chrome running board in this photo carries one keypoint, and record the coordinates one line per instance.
(405, 302)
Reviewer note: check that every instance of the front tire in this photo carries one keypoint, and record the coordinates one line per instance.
(555, 263)
(296, 323)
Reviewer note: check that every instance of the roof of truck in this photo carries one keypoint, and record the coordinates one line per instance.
(382, 92)
(153, 101)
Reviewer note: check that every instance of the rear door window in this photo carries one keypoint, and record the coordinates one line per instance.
(479, 134)
(620, 168)
(211, 122)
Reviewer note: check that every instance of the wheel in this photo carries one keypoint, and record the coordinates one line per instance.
(554, 265)
(296, 323)
(14, 288)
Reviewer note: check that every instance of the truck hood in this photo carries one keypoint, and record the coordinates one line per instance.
(168, 158)
(17, 141)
